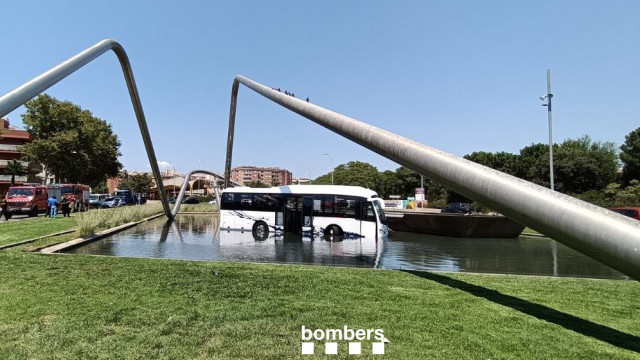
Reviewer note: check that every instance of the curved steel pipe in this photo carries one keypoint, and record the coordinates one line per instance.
(20, 95)
(183, 189)
(596, 232)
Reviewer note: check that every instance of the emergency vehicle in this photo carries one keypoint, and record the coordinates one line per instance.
(76, 194)
(26, 199)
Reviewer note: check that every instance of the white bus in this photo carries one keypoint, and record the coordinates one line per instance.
(325, 210)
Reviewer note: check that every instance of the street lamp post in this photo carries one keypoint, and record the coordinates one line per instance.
(548, 96)
(174, 179)
(331, 167)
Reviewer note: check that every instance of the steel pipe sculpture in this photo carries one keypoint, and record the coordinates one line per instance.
(183, 189)
(596, 232)
(20, 95)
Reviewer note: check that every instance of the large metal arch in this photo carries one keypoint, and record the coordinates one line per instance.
(185, 185)
(20, 95)
(596, 232)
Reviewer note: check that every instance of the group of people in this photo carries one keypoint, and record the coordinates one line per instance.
(52, 206)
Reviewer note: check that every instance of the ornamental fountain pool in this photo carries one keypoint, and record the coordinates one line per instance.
(198, 237)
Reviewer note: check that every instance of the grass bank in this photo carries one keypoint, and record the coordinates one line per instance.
(85, 223)
(15, 231)
(102, 307)
(202, 207)
(91, 221)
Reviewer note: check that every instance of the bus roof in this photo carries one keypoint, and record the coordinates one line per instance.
(307, 189)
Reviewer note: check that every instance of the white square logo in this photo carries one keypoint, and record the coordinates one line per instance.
(307, 348)
(355, 348)
(377, 348)
(331, 348)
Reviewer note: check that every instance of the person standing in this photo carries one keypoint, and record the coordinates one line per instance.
(53, 204)
(65, 205)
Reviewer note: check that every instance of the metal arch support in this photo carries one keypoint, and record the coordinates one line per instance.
(232, 126)
(20, 95)
(183, 189)
(596, 232)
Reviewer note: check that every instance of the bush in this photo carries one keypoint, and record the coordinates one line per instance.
(204, 199)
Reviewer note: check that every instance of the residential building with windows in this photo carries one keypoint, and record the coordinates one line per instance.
(11, 140)
(271, 176)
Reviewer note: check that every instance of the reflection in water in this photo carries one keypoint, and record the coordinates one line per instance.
(199, 238)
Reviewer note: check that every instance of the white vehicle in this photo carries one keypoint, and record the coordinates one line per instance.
(328, 210)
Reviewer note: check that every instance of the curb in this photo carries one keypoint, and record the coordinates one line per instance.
(72, 243)
(534, 235)
(35, 239)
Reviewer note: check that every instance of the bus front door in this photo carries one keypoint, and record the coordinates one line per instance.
(307, 215)
(367, 217)
(298, 212)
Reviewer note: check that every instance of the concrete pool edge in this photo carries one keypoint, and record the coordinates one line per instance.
(93, 237)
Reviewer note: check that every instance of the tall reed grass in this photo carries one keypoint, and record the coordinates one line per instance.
(91, 221)
(202, 207)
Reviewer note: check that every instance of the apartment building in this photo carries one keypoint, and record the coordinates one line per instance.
(271, 176)
(11, 139)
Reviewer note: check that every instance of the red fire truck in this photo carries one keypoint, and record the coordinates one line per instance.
(77, 194)
(31, 199)
(26, 199)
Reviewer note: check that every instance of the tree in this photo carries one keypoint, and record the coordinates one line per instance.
(14, 168)
(355, 173)
(257, 184)
(388, 184)
(139, 183)
(533, 164)
(101, 188)
(408, 181)
(70, 142)
(630, 157)
(582, 164)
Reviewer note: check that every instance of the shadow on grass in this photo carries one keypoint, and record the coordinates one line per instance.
(568, 321)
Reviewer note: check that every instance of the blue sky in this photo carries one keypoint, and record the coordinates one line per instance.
(461, 76)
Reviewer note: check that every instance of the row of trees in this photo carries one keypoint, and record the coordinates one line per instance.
(403, 181)
(583, 168)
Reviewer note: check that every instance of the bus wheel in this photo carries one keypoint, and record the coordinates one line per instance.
(33, 212)
(7, 215)
(260, 230)
(332, 230)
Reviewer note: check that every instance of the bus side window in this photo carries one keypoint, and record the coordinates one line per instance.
(228, 201)
(245, 202)
(263, 202)
(317, 205)
(350, 208)
(327, 205)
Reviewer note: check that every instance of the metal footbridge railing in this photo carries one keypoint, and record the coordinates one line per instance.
(596, 232)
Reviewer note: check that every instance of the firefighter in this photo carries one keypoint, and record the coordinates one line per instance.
(53, 204)
(65, 205)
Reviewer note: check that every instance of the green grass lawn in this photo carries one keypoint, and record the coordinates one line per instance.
(72, 306)
(86, 223)
(15, 231)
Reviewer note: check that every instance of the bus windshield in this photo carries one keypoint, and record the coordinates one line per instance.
(380, 211)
